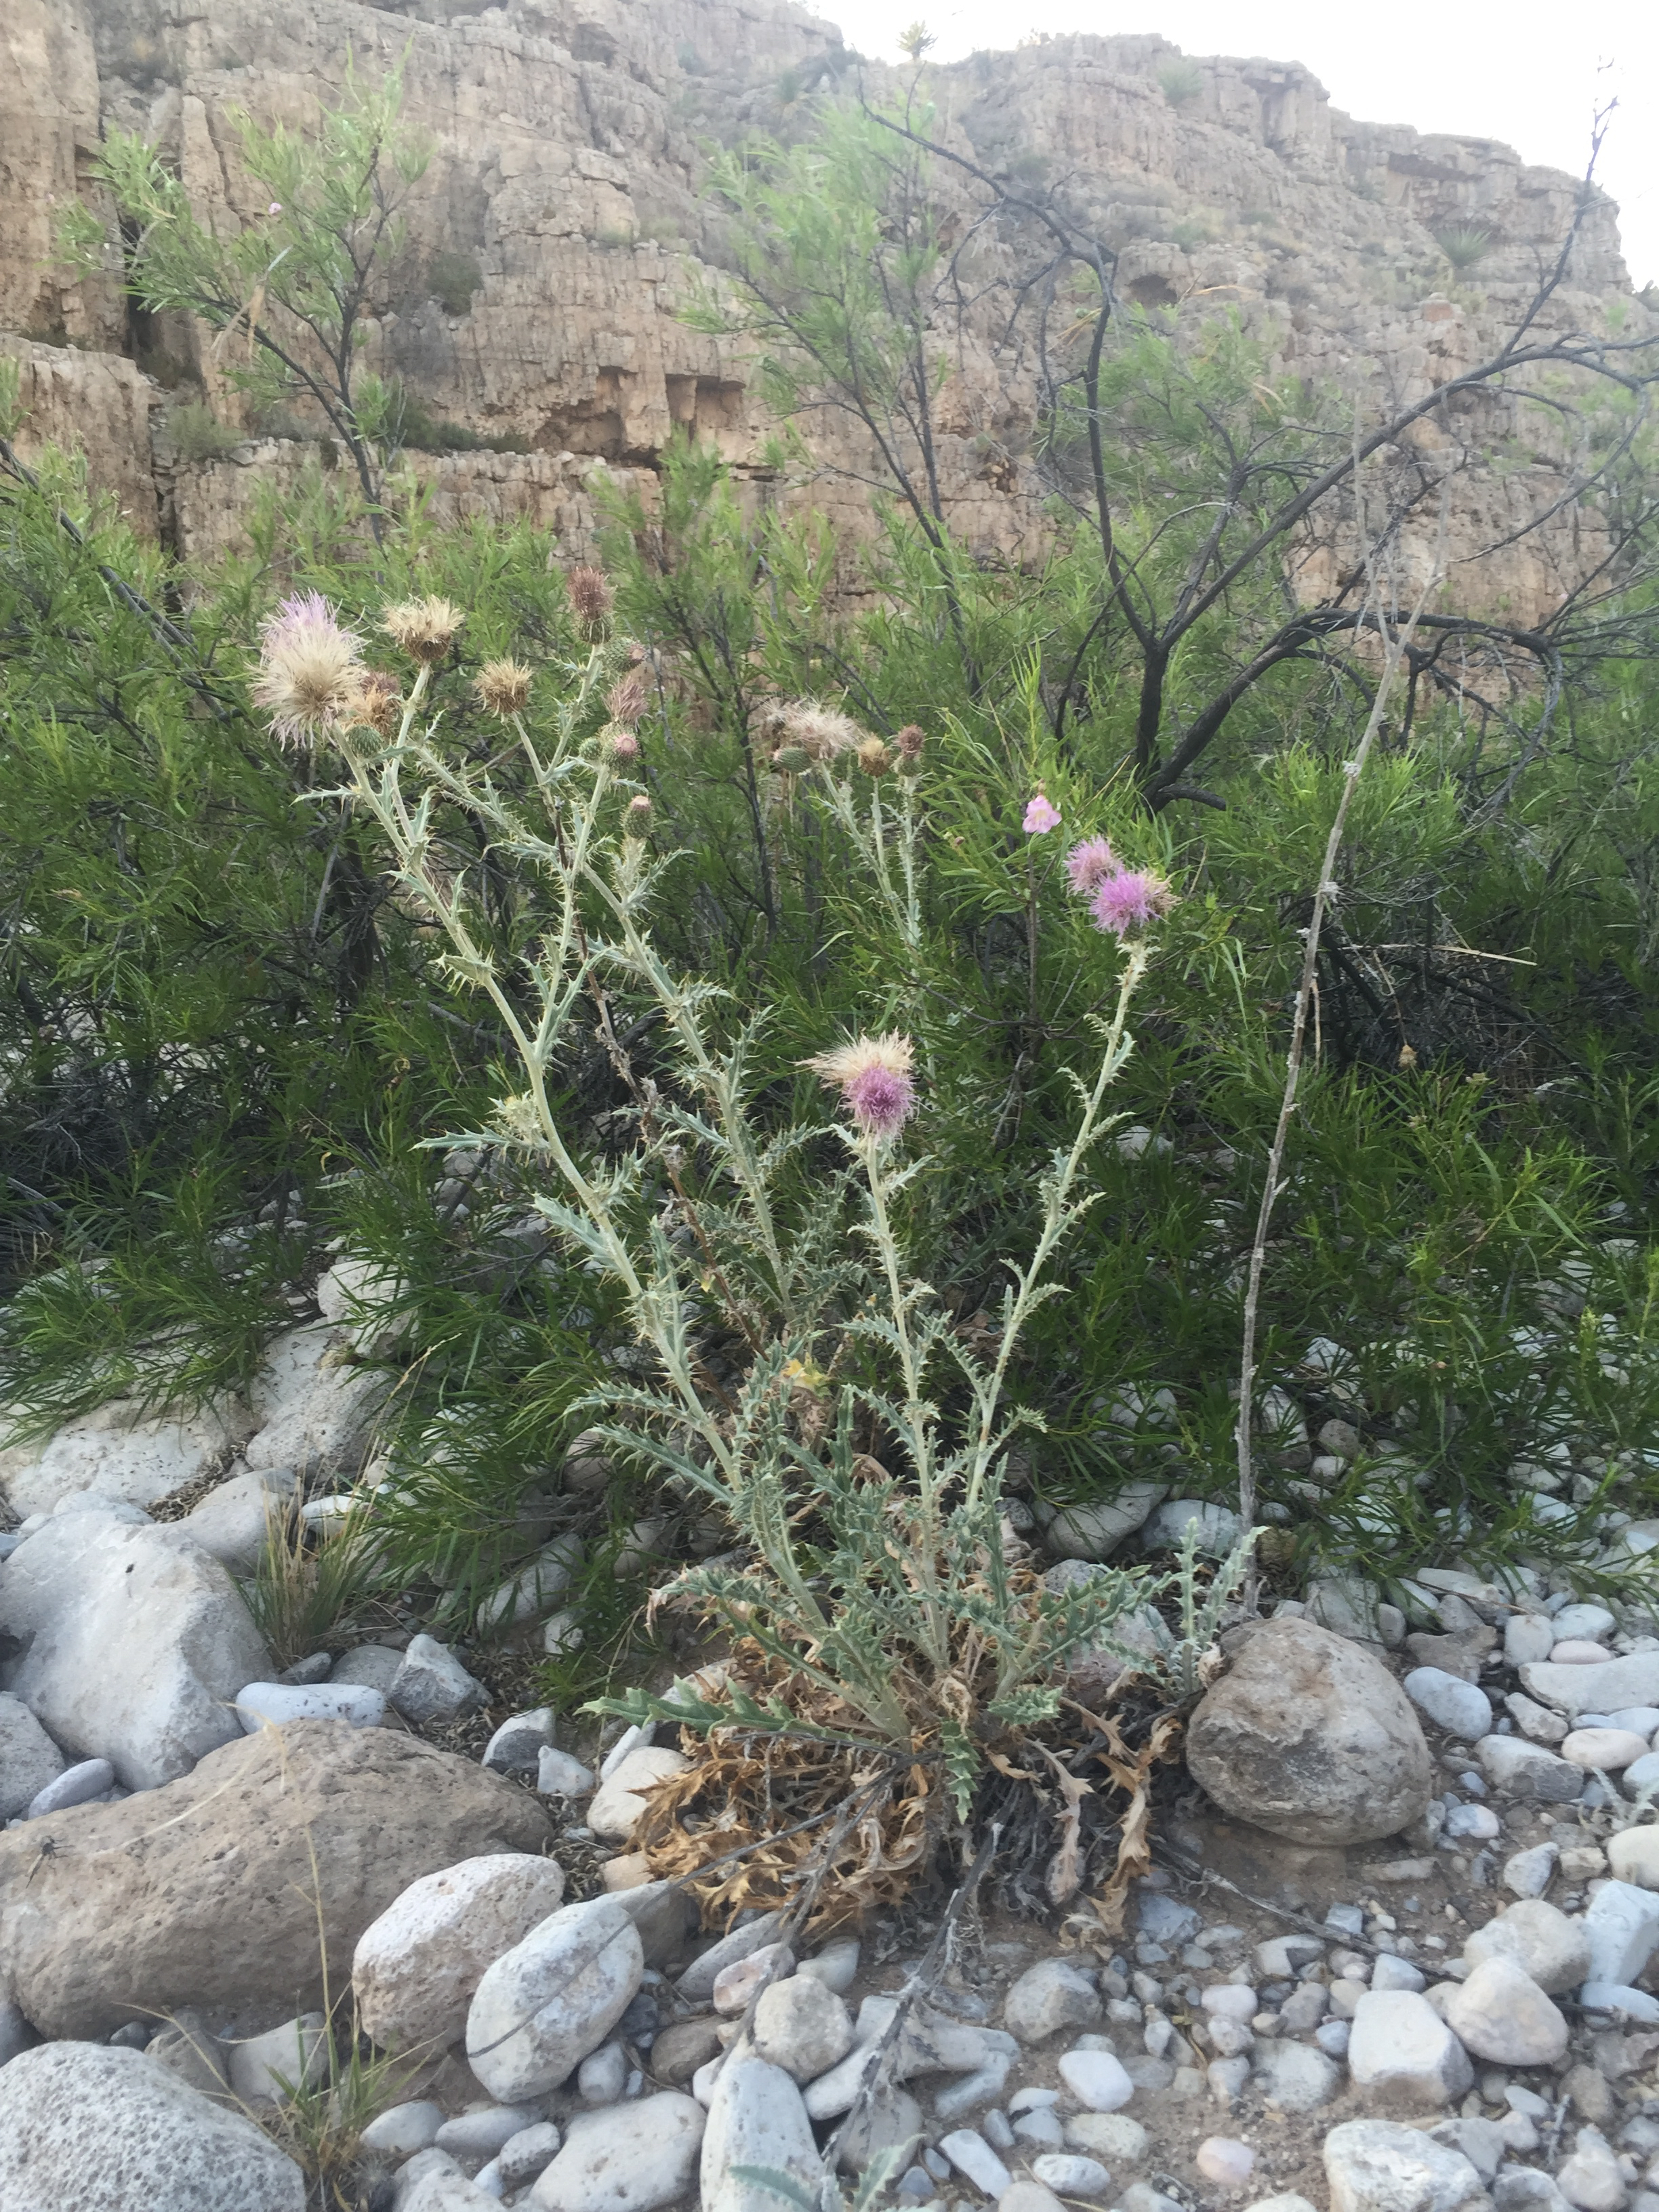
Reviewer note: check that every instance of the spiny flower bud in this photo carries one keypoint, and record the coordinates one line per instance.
(624, 746)
(638, 809)
(792, 760)
(502, 687)
(873, 758)
(591, 599)
(425, 628)
(626, 699)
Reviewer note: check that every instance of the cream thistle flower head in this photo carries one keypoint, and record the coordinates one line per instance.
(425, 628)
(802, 727)
(379, 700)
(873, 758)
(1042, 815)
(502, 687)
(309, 678)
(872, 1075)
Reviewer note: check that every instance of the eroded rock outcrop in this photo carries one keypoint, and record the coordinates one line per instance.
(560, 226)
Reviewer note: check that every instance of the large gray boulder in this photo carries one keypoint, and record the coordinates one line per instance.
(1309, 1737)
(756, 2117)
(208, 1892)
(108, 2130)
(120, 1451)
(315, 1404)
(134, 1644)
(1381, 2166)
(234, 1521)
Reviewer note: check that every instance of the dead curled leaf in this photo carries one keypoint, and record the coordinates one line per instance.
(1131, 1773)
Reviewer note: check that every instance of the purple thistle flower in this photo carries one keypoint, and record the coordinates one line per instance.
(872, 1075)
(1129, 900)
(1089, 863)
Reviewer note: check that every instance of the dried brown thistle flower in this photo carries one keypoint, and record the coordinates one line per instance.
(590, 598)
(379, 700)
(873, 758)
(425, 628)
(803, 725)
(503, 687)
(626, 699)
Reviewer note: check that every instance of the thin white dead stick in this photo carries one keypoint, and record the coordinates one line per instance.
(1394, 648)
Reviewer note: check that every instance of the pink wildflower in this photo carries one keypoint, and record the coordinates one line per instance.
(1042, 815)
(872, 1075)
(1088, 863)
(1128, 900)
(624, 746)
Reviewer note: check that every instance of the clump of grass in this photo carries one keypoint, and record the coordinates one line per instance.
(197, 434)
(306, 1591)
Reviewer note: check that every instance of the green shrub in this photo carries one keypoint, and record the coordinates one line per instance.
(452, 279)
(197, 434)
(1182, 82)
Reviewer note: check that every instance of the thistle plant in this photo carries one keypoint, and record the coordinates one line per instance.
(879, 1599)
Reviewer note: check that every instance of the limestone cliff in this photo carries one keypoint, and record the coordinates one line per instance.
(560, 224)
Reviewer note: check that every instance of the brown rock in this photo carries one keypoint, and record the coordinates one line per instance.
(202, 1893)
(680, 2050)
(1461, 1654)
(1311, 1738)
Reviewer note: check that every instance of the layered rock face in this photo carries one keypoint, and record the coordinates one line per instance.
(559, 227)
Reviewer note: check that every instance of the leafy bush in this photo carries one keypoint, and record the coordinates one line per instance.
(197, 434)
(452, 279)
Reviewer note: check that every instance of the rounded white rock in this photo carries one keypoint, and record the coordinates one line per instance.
(1097, 2079)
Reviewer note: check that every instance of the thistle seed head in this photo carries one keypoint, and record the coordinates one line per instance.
(502, 687)
(309, 676)
(425, 628)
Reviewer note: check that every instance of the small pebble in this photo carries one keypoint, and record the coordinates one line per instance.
(1096, 2078)
(1070, 2174)
(1225, 2160)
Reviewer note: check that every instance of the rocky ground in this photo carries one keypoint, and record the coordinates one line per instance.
(1391, 1957)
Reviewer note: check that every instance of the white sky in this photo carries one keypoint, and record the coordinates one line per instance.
(1530, 75)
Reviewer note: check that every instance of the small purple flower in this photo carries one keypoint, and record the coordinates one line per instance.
(1128, 900)
(1089, 863)
(1042, 815)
